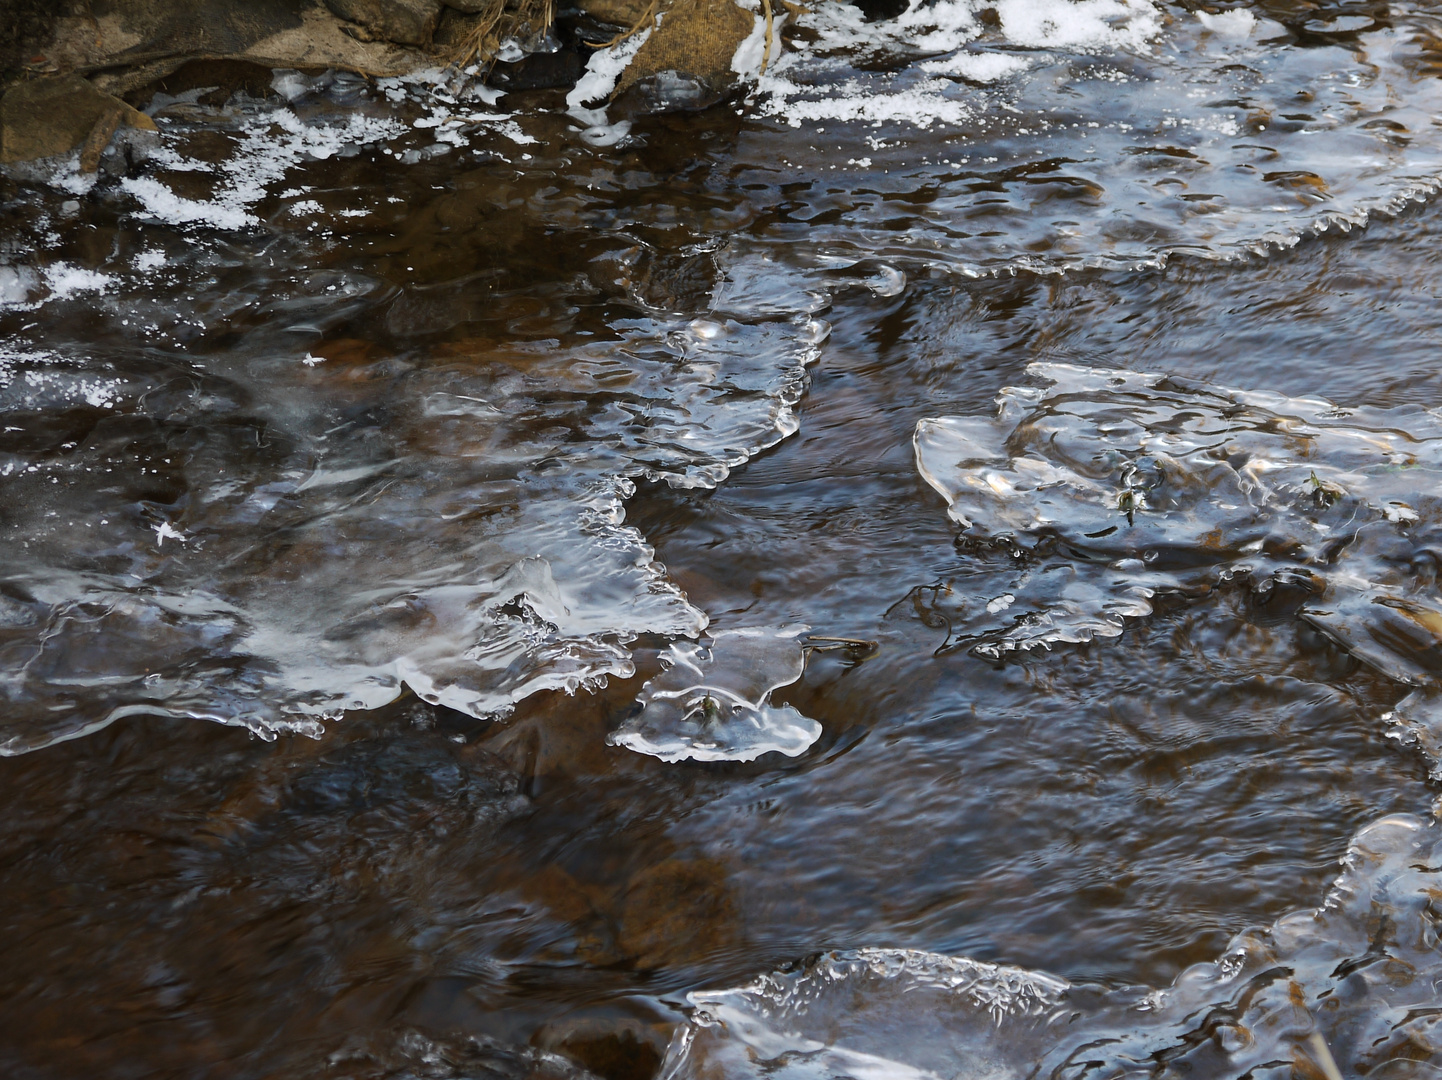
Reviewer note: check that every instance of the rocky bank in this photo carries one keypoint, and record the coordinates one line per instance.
(73, 71)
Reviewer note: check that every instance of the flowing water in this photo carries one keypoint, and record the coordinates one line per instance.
(923, 571)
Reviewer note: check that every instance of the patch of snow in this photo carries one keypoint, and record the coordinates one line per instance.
(164, 532)
(149, 260)
(66, 281)
(1235, 25)
(271, 144)
(981, 67)
(604, 69)
(747, 60)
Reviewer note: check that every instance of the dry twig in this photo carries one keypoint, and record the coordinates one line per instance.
(646, 17)
(770, 35)
(496, 24)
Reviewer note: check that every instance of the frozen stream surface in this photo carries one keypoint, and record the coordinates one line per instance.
(919, 571)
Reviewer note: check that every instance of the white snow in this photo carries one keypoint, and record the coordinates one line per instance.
(66, 281)
(164, 532)
(1235, 25)
(271, 144)
(604, 69)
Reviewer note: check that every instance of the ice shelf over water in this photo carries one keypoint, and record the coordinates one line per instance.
(1108, 486)
(1352, 985)
(471, 547)
(297, 533)
(713, 702)
(983, 136)
(272, 532)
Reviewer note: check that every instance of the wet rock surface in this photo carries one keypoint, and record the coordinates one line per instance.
(686, 62)
(406, 22)
(124, 45)
(50, 117)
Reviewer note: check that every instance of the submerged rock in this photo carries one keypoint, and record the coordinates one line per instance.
(406, 22)
(675, 910)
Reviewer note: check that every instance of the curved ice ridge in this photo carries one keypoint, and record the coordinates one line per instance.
(214, 545)
(1107, 486)
(713, 701)
(1354, 980)
(1045, 135)
(473, 549)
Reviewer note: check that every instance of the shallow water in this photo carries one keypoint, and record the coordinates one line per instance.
(523, 460)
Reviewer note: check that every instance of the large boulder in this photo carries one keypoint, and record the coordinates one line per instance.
(624, 13)
(42, 118)
(686, 62)
(127, 44)
(406, 22)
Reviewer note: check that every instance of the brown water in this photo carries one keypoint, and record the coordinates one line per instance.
(377, 447)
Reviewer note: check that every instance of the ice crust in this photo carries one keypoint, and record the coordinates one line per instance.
(1358, 972)
(1057, 161)
(493, 553)
(474, 549)
(1048, 135)
(713, 701)
(802, 84)
(1107, 486)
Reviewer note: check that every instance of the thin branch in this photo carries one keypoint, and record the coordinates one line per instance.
(770, 37)
(645, 18)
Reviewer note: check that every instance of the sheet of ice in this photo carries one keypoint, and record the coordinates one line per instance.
(1109, 485)
(713, 701)
(802, 85)
(1417, 721)
(869, 1013)
(1047, 134)
(16, 285)
(1239, 23)
(476, 553)
(1348, 982)
(268, 574)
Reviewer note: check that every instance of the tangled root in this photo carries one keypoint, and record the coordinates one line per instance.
(502, 20)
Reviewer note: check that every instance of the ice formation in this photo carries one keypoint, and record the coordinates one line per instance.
(713, 701)
(1351, 985)
(1106, 486)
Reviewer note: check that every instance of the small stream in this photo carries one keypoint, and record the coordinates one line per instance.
(922, 571)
